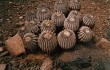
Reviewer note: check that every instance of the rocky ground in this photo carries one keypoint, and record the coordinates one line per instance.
(82, 57)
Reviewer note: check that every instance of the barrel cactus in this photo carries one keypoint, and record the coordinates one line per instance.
(48, 25)
(47, 41)
(30, 41)
(85, 34)
(89, 20)
(61, 5)
(43, 13)
(71, 23)
(66, 39)
(58, 18)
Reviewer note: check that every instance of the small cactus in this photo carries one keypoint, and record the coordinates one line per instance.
(66, 39)
(48, 25)
(22, 31)
(30, 16)
(30, 41)
(71, 23)
(43, 13)
(47, 41)
(85, 34)
(62, 6)
(58, 18)
(74, 5)
(33, 27)
(73, 13)
(89, 20)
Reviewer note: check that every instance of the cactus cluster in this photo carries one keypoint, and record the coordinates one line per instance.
(41, 27)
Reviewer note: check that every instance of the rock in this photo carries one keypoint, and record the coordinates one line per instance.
(59, 69)
(83, 62)
(2, 66)
(1, 49)
(36, 57)
(88, 68)
(47, 64)
(70, 65)
(99, 65)
(67, 56)
(103, 44)
(15, 45)
(20, 17)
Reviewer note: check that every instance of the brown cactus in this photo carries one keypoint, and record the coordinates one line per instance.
(71, 23)
(89, 20)
(61, 5)
(30, 16)
(43, 13)
(47, 41)
(48, 25)
(30, 41)
(74, 5)
(58, 18)
(85, 34)
(66, 39)
(22, 31)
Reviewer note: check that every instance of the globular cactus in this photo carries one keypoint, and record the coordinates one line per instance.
(73, 13)
(89, 20)
(32, 22)
(30, 16)
(61, 5)
(47, 41)
(30, 41)
(58, 18)
(71, 23)
(48, 25)
(43, 13)
(33, 29)
(66, 39)
(22, 31)
(74, 5)
(33, 26)
(35, 22)
(85, 34)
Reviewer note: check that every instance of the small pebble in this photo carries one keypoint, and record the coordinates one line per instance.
(2, 66)
(1, 49)
(20, 17)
